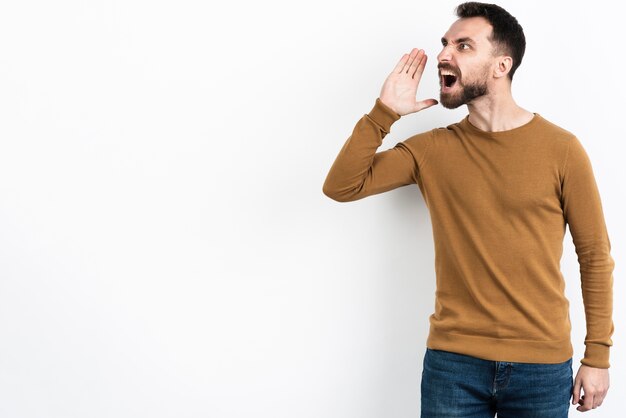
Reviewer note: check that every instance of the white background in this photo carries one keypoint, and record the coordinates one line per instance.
(165, 246)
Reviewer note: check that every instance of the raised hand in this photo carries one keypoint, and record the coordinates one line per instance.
(400, 87)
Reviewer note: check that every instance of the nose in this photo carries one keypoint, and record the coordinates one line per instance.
(444, 55)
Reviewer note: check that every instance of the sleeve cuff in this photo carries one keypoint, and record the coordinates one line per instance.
(383, 115)
(596, 356)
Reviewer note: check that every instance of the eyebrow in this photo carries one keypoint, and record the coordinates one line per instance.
(466, 39)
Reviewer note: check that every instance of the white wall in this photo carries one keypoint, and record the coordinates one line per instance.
(165, 246)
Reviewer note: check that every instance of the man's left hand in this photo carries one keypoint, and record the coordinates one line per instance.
(594, 383)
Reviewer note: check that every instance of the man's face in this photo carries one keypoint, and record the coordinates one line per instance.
(467, 56)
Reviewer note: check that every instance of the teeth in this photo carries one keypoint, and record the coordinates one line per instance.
(446, 72)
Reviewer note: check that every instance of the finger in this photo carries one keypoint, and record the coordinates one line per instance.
(598, 399)
(424, 104)
(407, 64)
(401, 63)
(419, 69)
(576, 392)
(416, 62)
(587, 402)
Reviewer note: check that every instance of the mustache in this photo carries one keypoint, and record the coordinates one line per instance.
(447, 67)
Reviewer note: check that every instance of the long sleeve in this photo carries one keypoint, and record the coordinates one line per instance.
(583, 212)
(358, 171)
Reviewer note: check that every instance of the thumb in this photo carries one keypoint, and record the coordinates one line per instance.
(576, 391)
(424, 104)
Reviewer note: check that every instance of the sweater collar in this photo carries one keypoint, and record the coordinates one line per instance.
(466, 124)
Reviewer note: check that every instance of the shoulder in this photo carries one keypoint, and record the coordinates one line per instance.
(551, 131)
(421, 139)
(448, 134)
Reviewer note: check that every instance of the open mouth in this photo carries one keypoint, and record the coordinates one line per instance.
(449, 80)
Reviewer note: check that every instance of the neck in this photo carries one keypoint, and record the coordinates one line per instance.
(497, 111)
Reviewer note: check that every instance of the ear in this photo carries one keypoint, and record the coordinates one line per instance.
(503, 66)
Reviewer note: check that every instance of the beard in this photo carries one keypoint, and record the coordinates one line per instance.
(463, 94)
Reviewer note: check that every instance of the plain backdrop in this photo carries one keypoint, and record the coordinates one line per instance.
(165, 246)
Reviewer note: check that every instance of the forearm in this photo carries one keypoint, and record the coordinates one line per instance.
(357, 170)
(596, 270)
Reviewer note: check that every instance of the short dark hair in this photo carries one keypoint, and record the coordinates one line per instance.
(507, 34)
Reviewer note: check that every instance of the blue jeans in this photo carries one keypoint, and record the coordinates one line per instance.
(457, 385)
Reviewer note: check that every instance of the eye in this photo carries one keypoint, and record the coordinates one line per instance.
(461, 44)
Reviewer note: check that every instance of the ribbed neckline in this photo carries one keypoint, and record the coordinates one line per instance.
(502, 134)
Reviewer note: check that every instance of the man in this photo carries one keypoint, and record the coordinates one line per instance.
(500, 185)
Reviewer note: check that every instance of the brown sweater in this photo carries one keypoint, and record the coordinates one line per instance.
(499, 203)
